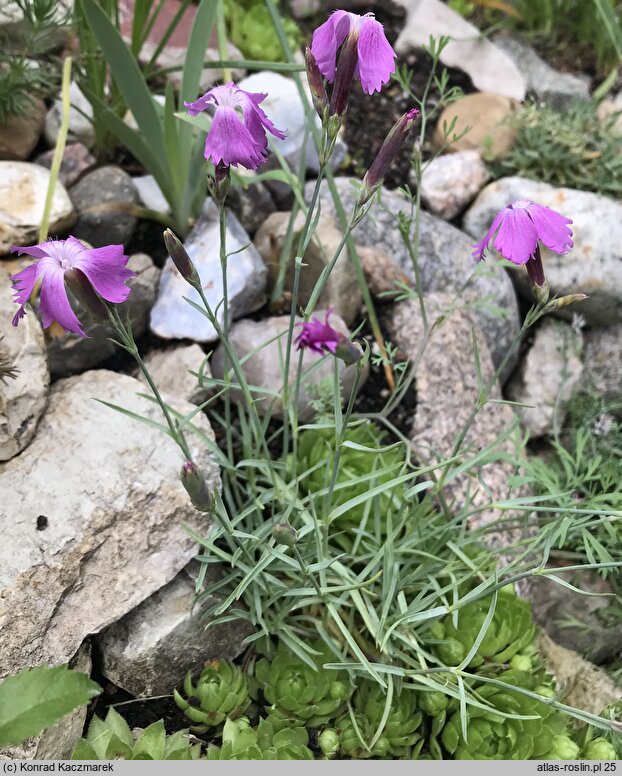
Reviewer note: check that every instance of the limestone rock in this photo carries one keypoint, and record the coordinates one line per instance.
(23, 188)
(80, 119)
(100, 197)
(92, 514)
(482, 123)
(174, 318)
(20, 133)
(252, 204)
(151, 649)
(150, 194)
(451, 182)
(490, 69)
(341, 291)
(77, 159)
(382, 274)
(547, 377)
(593, 266)
(444, 259)
(263, 368)
(70, 354)
(603, 361)
(171, 370)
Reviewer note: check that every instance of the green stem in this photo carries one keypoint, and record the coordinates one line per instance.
(221, 34)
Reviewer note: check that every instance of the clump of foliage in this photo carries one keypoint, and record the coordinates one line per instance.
(221, 692)
(112, 739)
(250, 28)
(574, 148)
(265, 742)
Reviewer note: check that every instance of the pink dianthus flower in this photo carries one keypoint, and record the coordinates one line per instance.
(320, 338)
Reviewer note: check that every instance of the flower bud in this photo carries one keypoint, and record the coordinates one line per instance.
(564, 301)
(348, 60)
(80, 286)
(284, 533)
(316, 84)
(328, 741)
(221, 182)
(348, 351)
(196, 486)
(180, 257)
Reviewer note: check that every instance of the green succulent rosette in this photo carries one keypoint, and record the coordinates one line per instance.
(403, 722)
(221, 691)
(242, 742)
(599, 749)
(112, 739)
(613, 712)
(355, 733)
(491, 736)
(298, 694)
(314, 466)
(511, 631)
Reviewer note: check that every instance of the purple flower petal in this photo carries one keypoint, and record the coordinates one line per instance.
(24, 283)
(482, 247)
(376, 56)
(106, 270)
(317, 336)
(256, 120)
(55, 303)
(552, 227)
(201, 104)
(517, 237)
(32, 250)
(230, 142)
(326, 41)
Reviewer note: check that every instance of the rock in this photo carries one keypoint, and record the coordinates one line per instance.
(263, 368)
(451, 182)
(150, 194)
(23, 398)
(151, 649)
(171, 370)
(593, 266)
(70, 354)
(342, 292)
(490, 69)
(102, 198)
(252, 204)
(77, 159)
(444, 259)
(382, 274)
(447, 390)
(603, 361)
(80, 119)
(129, 119)
(486, 117)
(549, 86)
(547, 377)
(20, 133)
(174, 318)
(175, 56)
(554, 605)
(585, 686)
(92, 514)
(23, 188)
(286, 110)
(610, 106)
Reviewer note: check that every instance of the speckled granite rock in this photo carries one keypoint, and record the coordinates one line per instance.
(603, 361)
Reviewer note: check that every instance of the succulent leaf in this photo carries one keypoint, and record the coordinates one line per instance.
(221, 692)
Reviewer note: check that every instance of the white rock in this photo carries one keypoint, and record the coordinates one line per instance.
(593, 266)
(80, 119)
(490, 69)
(171, 370)
(92, 514)
(23, 398)
(150, 194)
(451, 182)
(547, 377)
(23, 188)
(174, 318)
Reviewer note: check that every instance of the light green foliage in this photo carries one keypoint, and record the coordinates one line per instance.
(111, 739)
(241, 742)
(356, 732)
(401, 727)
(509, 632)
(250, 28)
(221, 691)
(575, 149)
(599, 749)
(36, 698)
(300, 694)
(613, 737)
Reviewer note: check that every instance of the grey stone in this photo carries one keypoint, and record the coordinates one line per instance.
(610, 106)
(102, 198)
(341, 291)
(603, 361)
(444, 259)
(263, 368)
(151, 649)
(70, 354)
(171, 370)
(23, 189)
(547, 377)
(23, 398)
(77, 159)
(175, 56)
(447, 387)
(593, 266)
(252, 204)
(150, 194)
(80, 119)
(174, 318)
(451, 182)
(548, 85)
(488, 66)
(20, 133)
(481, 122)
(114, 508)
